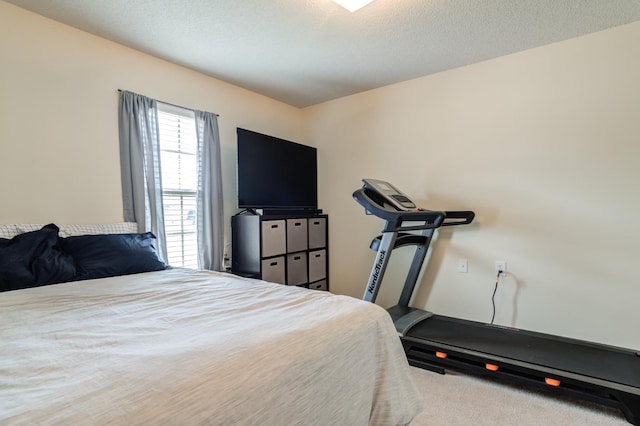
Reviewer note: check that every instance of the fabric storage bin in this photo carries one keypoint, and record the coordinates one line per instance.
(319, 285)
(317, 232)
(296, 235)
(317, 265)
(274, 241)
(273, 270)
(297, 268)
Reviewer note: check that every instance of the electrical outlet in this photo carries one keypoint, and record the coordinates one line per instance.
(462, 265)
(501, 265)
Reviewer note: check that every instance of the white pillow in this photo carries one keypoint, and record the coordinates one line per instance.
(107, 228)
(10, 231)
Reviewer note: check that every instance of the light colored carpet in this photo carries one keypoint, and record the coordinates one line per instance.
(461, 399)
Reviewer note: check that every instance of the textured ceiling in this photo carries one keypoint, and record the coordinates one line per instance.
(304, 52)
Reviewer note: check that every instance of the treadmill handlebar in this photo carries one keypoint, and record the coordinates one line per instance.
(395, 218)
(453, 218)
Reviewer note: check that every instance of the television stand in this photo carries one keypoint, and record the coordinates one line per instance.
(285, 249)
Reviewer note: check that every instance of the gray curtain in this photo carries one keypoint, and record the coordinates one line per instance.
(210, 223)
(140, 165)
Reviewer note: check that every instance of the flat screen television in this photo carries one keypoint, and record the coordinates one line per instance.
(274, 173)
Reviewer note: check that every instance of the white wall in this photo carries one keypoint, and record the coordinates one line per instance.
(543, 145)
(59, 151)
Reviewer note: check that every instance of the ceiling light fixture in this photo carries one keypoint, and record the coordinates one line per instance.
(352, 5)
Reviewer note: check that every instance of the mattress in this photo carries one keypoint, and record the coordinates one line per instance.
(198, 347)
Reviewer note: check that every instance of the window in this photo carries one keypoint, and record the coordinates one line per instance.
(179, 171)
(180, 146)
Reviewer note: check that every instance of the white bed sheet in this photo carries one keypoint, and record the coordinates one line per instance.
(188, 347)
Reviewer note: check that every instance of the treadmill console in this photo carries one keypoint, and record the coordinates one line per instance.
(389, 194)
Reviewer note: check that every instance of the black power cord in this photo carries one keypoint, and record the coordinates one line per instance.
(493, 297)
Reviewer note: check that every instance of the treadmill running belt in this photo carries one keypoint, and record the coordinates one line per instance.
(588, 359)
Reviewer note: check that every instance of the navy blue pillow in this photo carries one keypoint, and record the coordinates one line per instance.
(33, 259)
(109, 255)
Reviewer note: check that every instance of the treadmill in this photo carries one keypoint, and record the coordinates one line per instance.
(595, 372)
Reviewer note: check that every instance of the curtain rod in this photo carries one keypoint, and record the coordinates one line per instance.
(168, 103)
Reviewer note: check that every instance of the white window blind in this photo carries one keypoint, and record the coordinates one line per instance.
(179, 168)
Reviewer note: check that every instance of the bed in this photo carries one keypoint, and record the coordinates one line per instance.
(179, 346)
